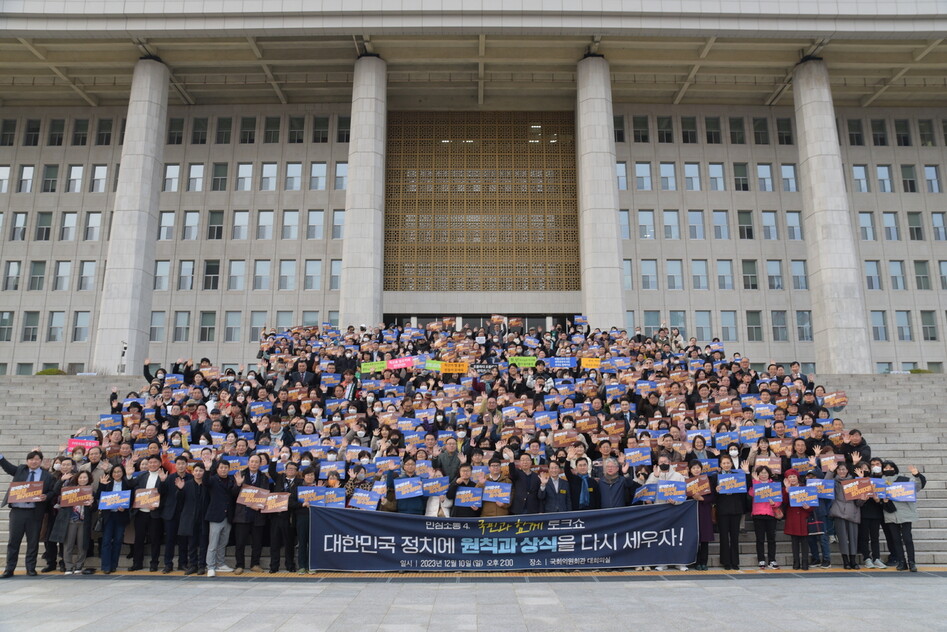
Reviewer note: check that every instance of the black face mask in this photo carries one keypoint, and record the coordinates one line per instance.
(665, 467)
(889, 472)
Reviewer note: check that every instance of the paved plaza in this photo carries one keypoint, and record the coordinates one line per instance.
(864, 601)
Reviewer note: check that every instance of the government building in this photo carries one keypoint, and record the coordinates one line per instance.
(177, 176)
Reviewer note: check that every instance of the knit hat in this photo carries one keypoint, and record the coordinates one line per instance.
(791, 472)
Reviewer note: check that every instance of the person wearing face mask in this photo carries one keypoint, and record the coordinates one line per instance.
(847, 515)
(873, 516)
(901, 515)
(358, 479)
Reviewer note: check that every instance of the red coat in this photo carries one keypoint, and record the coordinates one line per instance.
(796, 519)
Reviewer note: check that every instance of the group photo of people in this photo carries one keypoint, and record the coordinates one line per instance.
(207, 470)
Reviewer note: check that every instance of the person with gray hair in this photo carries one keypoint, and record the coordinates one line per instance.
(616, 490)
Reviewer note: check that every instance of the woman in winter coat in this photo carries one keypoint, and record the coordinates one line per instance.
(900, 515)
(797, 522)
(847, 515)
(730, 510)
(705, 520)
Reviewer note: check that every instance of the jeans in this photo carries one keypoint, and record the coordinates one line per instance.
(217, 536)
(819, 547)
(113, 532)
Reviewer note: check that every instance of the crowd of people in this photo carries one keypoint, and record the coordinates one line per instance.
(574, 419)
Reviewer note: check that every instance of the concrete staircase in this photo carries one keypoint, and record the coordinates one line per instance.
(896, 413)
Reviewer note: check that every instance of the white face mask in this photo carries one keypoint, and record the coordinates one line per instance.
(203, 442)
(360, 433)
(568, 425)
(331, 457)
(364, 460)
(246, 389)
(734, 452)
(57, 467)
(876, 469)
(306, 463)
(461, 434)
(175, 442)
(439, 417)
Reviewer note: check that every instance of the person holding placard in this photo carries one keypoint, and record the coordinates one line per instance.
(114, 521)
(901, 514)
(705, 521)
(148, 521)
(730, 509)
(765, 515)
(78, 530)
(797, 523)
(847, 515)
(26, 518)
(491, 508)
(248, 523)
(463, 480)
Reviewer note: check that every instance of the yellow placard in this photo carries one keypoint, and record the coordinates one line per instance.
(591, 363)
(454, 367)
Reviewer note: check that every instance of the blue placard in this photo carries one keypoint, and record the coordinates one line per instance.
(751, 434)
(803, 497)
(408, 488)
(496, 492)
(767, 492)
(110, 422)
(723, 439)
(904, 492)
(675, 491)
(733, 482)
(710, 466)
(435, 486)
(388, 463)
(637, 457)
(646, 493)
(113, 501)
(364, 499)
(824, 488)
(335, 497)
(468, 497)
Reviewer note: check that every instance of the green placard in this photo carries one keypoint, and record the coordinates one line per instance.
(372, 367)
(432, 365)
(523, 361)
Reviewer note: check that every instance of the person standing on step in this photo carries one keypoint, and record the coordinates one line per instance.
(730, 510)
(26, 518)
(282, 532)
(221, 490)
(172, 506)
(847, 515)
(114, 521)
(148, 521)
(901, 515)
(797, 522)
(249, 524)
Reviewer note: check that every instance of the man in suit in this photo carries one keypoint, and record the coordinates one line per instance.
(525, 487)
(172, 505)
(26, 518)
(554, 492)
(307, 378)
(148, 521)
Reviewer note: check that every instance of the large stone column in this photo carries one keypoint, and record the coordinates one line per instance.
(840, 327)
(125, 307)
(599, 237)
(363, 248)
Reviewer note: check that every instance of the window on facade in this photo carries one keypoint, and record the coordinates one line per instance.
(688, 129)
(800, 276)
(640, 129)
(224, 130)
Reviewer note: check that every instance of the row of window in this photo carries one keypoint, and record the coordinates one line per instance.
(94, 180)
(236, 278)
(687, 128)
(746, 226)
(62, 275)
(57, 327)
(763, 179)
(904, 326)
(726, 327)
(897, 277)
(239, 228)
(673, 276)
(240, 225)
(198, 131)
(891, 226)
